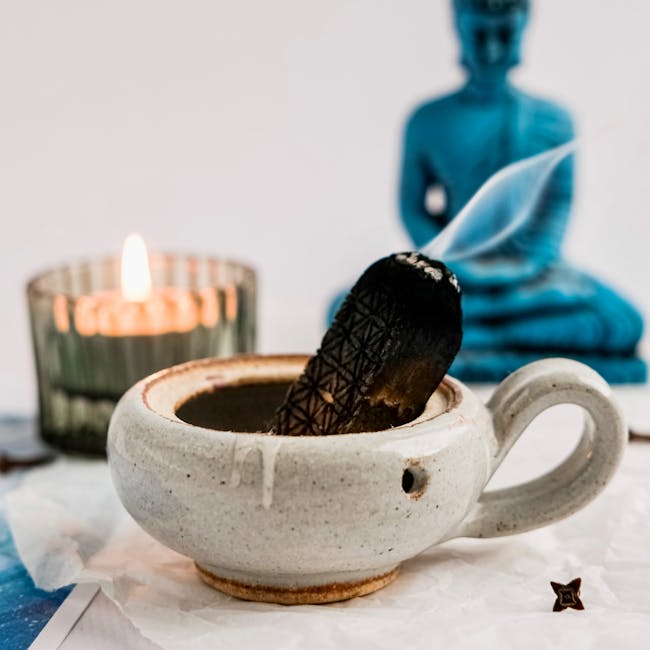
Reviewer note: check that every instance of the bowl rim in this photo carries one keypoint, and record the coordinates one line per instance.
(455, 394)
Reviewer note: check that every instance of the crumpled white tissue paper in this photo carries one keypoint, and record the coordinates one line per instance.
(69, 526)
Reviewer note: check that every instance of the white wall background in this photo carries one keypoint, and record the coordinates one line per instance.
(270, 131)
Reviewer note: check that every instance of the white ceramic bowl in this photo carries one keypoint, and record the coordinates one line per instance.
(317, 519)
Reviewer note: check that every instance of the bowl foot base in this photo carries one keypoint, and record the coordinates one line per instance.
(301, 595)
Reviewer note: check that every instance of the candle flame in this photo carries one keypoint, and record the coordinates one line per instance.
(136, 275)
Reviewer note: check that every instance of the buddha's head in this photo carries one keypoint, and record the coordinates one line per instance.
(490, 33)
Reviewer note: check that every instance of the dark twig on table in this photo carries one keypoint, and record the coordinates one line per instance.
(9, 463)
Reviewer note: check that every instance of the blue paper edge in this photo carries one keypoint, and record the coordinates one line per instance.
(24, 609)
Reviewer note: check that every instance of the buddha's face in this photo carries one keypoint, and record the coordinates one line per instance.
(490, 43)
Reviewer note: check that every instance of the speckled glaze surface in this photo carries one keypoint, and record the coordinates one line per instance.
(316, 519)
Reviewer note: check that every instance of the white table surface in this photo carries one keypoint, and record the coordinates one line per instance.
(103, 627)
(549, 439)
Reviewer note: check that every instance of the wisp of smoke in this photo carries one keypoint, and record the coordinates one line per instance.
(501, 205)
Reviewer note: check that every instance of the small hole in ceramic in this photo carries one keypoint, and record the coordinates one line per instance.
(408, 480)
(414, 481)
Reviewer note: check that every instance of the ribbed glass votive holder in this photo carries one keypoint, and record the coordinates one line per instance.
(91, 344)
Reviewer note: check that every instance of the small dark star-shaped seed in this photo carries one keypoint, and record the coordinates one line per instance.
(567, 595)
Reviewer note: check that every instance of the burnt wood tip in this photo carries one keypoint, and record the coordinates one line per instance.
(389, 346)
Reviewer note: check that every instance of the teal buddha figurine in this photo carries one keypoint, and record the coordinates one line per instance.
(521, 300)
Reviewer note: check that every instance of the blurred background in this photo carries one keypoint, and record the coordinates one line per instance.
(271, 132)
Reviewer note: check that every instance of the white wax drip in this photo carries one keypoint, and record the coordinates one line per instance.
(268, 448)
(241, 450)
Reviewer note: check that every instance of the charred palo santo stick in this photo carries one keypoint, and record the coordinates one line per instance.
(390, 345)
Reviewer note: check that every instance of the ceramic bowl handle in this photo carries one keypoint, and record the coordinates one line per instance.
(572, 484)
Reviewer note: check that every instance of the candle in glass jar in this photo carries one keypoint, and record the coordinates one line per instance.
(99, 327)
